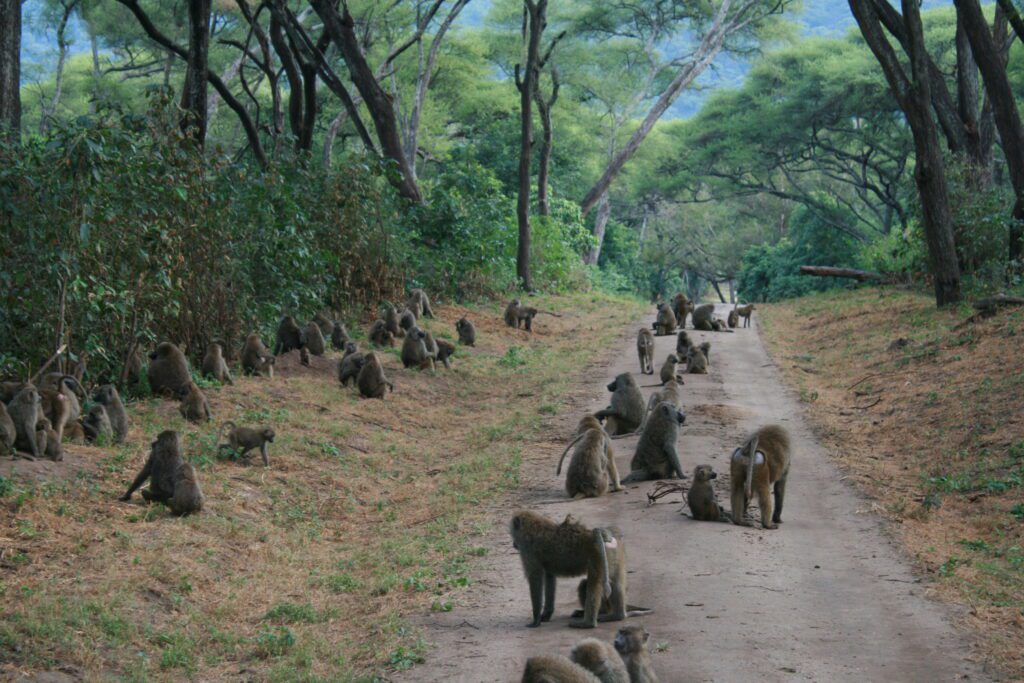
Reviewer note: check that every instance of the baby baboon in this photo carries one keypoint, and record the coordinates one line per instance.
(419, 303)
(549, 550)
(339, 336)
(696, 362)
(745, 312)
(606, 605)
(683, 344)
(244, 439)
(391, 320)
(371, 380)
(315, 339)
(108, 397)
(701, 497)
(670, 369)
(256, 358)
(214, 365)
(97, 425)
(666, 322)
(325, 324)
(7, 431)
(74, 432)
(757, 466)
(592, 467)
(54, 406)
(24, 410)
(407, 320)
(415, 352)
(304, 356)
(733, 318)
(350, 364)
(40, 436)
(631, 643)
(289, 336)
(379, 334)
(627, 406)
(168, 370)
(656, 456)
(645, 351)
(445, 349)
(467, 332)
(194, 406)
(601, 659)
(702, 317)
(556, 669)
(160, 469)
(53, 448)
(188, 497)
(681, 306)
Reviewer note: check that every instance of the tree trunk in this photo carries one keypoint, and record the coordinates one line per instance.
(193, 96)
(732, 291)
(604, 212)
(913, 94)
(10, 68)
(829, 271)
(1014, 16)
(341, 29)
(718, 290)
(62, 56)
(534, 17)
(1004, 108)
(544, 107)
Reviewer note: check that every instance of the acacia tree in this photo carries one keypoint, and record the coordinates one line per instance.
(10, 67)
(913, 93)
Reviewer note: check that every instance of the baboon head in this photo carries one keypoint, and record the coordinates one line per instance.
(704, 473)
(671, 412)
(631, 639)
(672, 358)
(268, 435)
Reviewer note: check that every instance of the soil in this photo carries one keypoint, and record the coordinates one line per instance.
(828, 596)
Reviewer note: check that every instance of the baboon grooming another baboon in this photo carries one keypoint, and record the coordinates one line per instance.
(631, 643)
(379, 335)
(24, 410)
(166, 471)
(168, 370)
(194, 406)
(415, 352)
(315, 339)
(214, 365)
(555, 669)
(371, 380)
(656, 456)
(339, 336)
(350, 364)
(289, 336)
(244, 439)
(601, 659)
(666, 322)
(701, 497)
(419, 303)
(550, 550)
(702, 316)
(756, 467)
(592, 468)
(696, 361)
(627, 406)
(97, 425)
(256, 358)
(645, 351)
(745, 312)
(467, 332)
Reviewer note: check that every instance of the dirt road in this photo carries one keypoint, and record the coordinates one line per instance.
(824, 598)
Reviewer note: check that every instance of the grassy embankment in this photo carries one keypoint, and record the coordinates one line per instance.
(370, 512)
(931, 429)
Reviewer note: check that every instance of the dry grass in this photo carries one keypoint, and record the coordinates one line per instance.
(370, 511)
(933, 430)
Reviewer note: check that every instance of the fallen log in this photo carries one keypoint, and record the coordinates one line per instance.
(991, 303)
(829, 271)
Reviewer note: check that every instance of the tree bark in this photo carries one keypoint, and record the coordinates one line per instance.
(828, 271)
(913, 94)
(604, 212)
(534, 17)
(988, 55)
(544, 107)
(341, 29)
(193, 96)
(10, 68)
(1014, 16)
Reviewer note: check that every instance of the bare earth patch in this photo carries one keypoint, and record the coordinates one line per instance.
(928, 419)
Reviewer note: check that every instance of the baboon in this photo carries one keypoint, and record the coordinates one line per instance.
(70, 388)
(53, 448)
(705, 348)
(627, 406)
(168, 370)
(415, 352)
(645, 351)
(592, 468)
(304, 356)
(606, 605)
(161, 469)
(371, 380)
(601, 659)
(696, 361)
(718, 325)
(467, 332)
(745, 312)
(55, 407)
(315, 339)
(41, 440)
(339, 336)
(670, 369)
(350, 364)
(701, 497)
(133, 367)
(407, 320)
(8, 390)
(325, 324)
(758, 466)
(391, 320)
(656, 456)
(74, 432)
(680, 307)
(512, 313)
(666, 322)
(214, 365)
(702, 317)
(96, 424)
(683, 344)
(7, 431)
(631, 643)
(419, 303)
(445, 350)
(24, 410)
(379, 334)
(733, 318)
(289, 336)
(194, 406)
(188, 497)
(244, 439)
(108, 397)
(555, 669)
(256, 358)
(668, 392)
(549, 550)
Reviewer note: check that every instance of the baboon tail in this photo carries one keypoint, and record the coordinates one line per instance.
(571, 444)
(752, 455)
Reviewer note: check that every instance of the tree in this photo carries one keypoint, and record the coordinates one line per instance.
(64, 10)
(10, 68)
(913, 93)
(193, 95)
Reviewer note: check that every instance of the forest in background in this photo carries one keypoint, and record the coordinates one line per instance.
(341, 154)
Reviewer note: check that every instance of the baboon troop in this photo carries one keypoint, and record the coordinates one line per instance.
(645, 351)
(761, 466)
